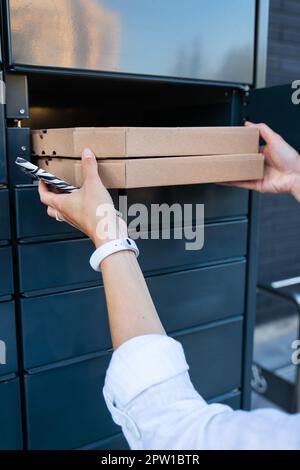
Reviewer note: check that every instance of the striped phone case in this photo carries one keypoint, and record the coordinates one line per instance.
(43, 175)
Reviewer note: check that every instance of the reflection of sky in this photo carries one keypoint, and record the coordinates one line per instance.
(207, 39)
(191, 36)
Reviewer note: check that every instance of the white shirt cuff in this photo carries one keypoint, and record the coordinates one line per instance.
(140, 363)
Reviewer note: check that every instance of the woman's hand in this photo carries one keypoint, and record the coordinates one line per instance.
(282, 165)
(90, 209)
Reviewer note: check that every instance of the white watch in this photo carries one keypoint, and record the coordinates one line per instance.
(111, 247)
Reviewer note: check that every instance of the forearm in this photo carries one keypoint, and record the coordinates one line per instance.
(130, 307)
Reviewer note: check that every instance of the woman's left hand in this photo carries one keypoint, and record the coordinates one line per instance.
(90, 209)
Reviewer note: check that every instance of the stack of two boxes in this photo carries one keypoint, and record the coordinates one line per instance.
(135, 157)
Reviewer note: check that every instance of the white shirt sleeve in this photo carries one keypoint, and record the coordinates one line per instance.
(149, 394)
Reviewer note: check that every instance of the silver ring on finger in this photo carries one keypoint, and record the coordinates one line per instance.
(57, 217)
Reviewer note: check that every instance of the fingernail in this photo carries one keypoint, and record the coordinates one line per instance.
(87, 153)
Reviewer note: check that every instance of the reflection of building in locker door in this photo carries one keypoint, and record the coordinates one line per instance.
(2, 353)
(95, 46)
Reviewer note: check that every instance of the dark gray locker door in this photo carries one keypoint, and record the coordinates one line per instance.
(220, 202)
(33, 221)
(275, 107)
(32, 218)
(214, 354)
(8, 338)
(10, 415)
(6, 271)
(4, 215)
(56, 265)
(190, 298)
(221, 241)
(65, 406)
(18, 145)
(64, 325)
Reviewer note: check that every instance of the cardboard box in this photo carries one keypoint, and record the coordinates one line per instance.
(129, 142)
(166, 171)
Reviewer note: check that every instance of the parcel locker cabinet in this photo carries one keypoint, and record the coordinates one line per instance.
(42, 96)
(184, 299)
(65, 407)
(10, 414)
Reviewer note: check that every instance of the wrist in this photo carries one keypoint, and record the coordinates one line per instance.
(116, 229)
(110, 248)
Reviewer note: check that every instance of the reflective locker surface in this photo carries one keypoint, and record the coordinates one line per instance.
(173, 38)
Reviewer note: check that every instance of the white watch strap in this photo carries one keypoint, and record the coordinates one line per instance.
(112, 247)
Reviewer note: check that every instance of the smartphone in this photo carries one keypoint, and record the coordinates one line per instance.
(39, 174)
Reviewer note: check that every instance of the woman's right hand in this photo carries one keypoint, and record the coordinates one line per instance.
(282, 165)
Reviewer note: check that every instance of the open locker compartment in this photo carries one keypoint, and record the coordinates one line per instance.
(54, 100)
(59, 101)
(49, 100)
(86, 101)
